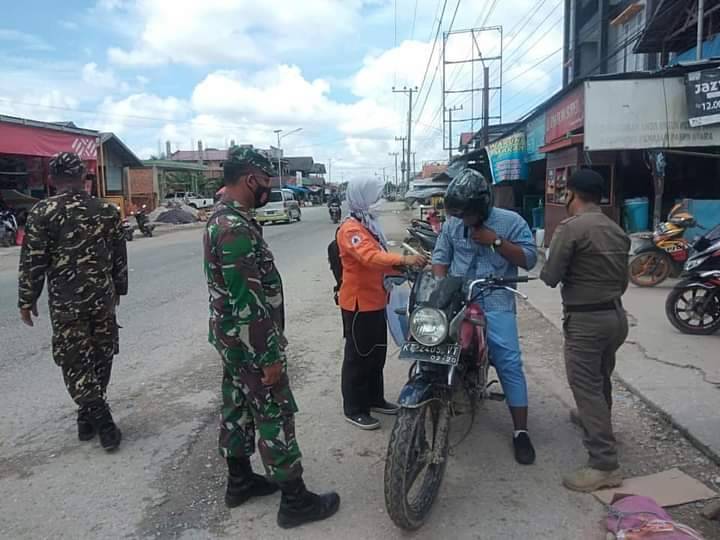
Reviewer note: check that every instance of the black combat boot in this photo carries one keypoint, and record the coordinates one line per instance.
(244, 484)
(86, 429)
(110, 435)
(299, 506)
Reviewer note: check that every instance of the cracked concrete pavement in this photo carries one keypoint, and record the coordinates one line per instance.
(167, 480)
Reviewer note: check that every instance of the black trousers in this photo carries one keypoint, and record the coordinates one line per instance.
(365, 335)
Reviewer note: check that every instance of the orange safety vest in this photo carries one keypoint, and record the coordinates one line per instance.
(365, 264)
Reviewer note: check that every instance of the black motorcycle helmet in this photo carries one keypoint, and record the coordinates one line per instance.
(469, 194)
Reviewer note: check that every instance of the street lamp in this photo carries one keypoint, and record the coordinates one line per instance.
(279, 138)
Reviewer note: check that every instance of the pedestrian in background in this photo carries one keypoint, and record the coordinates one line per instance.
(247, 328)
(363, 297)
(77, 241)
(589, 256)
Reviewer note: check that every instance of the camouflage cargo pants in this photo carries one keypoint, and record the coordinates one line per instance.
(84, 347)
(249, 405)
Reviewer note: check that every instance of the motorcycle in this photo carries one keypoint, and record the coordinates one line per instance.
(144, 222)
(422, 236)
(335, 212)
(128, 230)
(693, 306)
(446, 342)
(662, 253)
(8, 228)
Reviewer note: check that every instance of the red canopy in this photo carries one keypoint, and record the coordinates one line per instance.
(35, 141)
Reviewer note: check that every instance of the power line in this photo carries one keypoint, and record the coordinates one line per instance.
(515, 32)
(432, 50)
(412, 31)
(536, 64)
(537, 28)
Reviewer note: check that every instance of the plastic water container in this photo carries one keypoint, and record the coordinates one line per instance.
(636, 214)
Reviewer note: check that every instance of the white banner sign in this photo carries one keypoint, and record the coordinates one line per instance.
(641, 114)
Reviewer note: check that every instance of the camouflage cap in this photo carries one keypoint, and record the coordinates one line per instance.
(66, 165)
(251, 157)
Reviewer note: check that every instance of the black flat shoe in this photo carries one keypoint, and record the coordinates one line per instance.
(524, 450)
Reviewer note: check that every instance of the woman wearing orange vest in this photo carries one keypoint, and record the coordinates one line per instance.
(362, 298)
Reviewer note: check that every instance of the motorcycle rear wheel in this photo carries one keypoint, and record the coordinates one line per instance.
(650, 268)
(414, 449)
(694, 310)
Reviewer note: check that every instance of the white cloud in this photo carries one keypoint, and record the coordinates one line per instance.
(24, 40)
(139, 112)
(216, 31)
(102, 79)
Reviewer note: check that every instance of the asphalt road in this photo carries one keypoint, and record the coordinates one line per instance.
(167, 481)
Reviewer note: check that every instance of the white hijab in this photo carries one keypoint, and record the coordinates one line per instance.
(362, 195)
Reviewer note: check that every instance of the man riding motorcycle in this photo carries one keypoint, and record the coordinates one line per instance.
(334, 207)
(479, 241)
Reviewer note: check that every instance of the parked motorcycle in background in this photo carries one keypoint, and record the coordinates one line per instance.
(128, 230)
(663, 253)
(445, 339)
(335, 212)
(422, 236)
(143, 221)
(8, 228)
(693, 306)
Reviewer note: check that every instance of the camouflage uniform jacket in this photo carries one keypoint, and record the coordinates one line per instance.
(246, 295)
(78, 242)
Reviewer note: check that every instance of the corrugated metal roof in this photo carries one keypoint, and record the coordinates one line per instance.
(196, 155)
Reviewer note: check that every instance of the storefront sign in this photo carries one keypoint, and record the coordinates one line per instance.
(33, 141)
(642, 114)
(703, 97)
(565, 116)
(535, 137)
(508, 158)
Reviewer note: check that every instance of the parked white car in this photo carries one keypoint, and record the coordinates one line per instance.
(191, 199)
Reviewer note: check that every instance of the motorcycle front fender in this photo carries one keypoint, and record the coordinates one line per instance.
(416, 393)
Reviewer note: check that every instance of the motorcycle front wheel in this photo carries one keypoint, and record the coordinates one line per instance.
(415, 463)
(694, 309)
(650, 268)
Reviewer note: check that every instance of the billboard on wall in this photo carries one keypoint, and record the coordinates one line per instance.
(508, 158)
(535, 138)
(702, 89)
(641, 114)
(565, 116)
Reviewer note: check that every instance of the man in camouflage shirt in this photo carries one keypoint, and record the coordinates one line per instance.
(77, 242)
(247, 329)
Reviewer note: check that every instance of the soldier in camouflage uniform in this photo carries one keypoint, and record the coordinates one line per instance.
(76, 240)
(247, 329)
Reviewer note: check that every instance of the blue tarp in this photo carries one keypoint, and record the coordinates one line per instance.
(299, 189)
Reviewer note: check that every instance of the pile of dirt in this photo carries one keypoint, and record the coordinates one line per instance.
(175, 213)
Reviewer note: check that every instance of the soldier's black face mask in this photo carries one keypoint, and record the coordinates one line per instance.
(261, 193)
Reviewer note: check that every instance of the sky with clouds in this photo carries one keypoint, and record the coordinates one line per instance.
(219, 70)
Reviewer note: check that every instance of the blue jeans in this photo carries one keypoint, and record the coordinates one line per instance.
(504, 347)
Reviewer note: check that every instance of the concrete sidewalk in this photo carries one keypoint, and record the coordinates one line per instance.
(677, 374)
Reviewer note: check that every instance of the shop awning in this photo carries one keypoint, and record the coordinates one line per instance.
(297, 189)
(562, 143)
(41, 139)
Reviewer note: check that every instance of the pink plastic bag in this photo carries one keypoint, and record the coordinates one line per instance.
(633, 517)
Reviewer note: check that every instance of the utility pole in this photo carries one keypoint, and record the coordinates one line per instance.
(414, 167)
(486, 105)
(700, 29)
(450, 134)
(395, 154)
(403, 164)
(409, 92)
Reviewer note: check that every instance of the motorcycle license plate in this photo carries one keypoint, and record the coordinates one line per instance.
(448, 354)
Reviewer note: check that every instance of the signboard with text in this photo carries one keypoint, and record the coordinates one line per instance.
(535, 137)
(702, 89)
(565, 116)
(642, 114)
(508, 158)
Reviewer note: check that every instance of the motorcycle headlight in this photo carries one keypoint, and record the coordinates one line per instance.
(428, 326)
